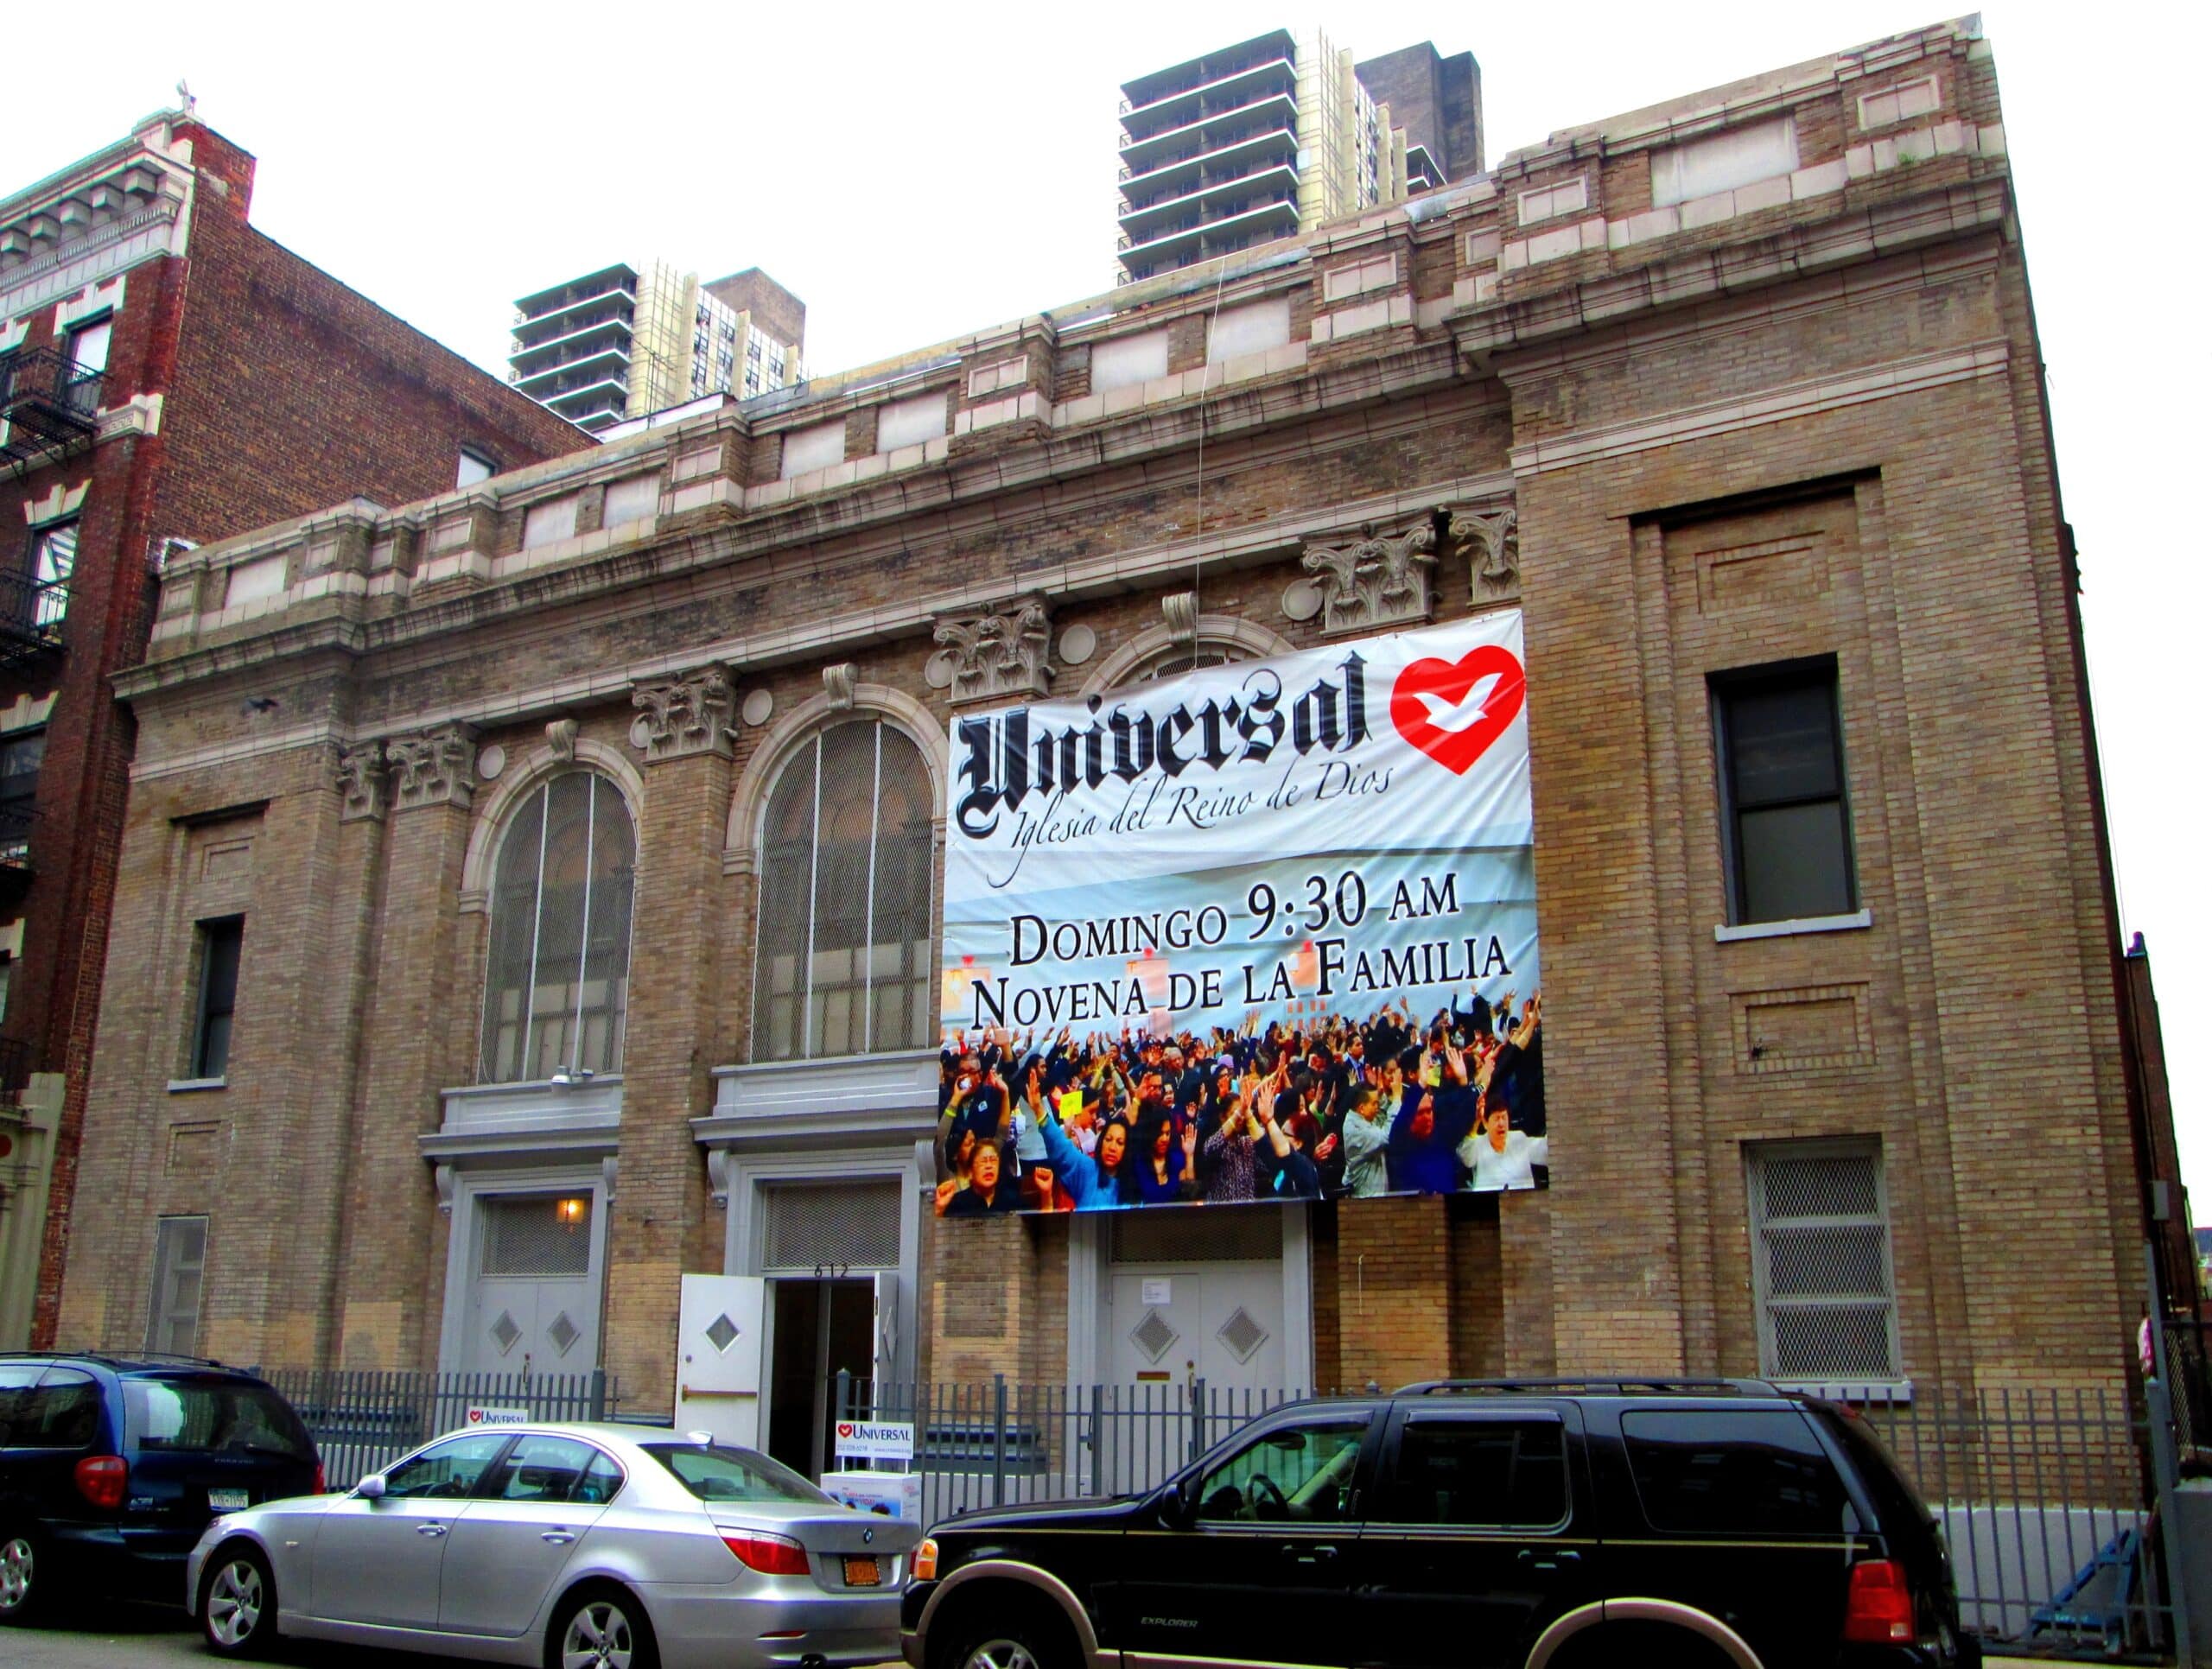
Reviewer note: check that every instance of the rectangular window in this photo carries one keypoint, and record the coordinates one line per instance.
(1779, 737)
(54, 561)
(179, 1255)
(220, 943)
(1734, 1472)
(1484, 1474)
(475, 467)
(88, 345)
(1821, 1263)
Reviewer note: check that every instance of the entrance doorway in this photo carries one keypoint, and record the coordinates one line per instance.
(1196, 1295)
(532, 1304)
(820, 1326)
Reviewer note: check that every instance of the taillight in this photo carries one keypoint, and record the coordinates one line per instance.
(1879, 1609)
(102, 1479)
(321, 1487)
(926, 1560)
(771, 1556)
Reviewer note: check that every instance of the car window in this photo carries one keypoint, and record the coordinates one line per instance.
(543, 1468)
(1296, 1473)
(213, 1416)
(1734, 1472)
(16, 1380)
(61, 1411)
(445, 1471)
(601, 1479)
(715, 1473)
(1487, 1474)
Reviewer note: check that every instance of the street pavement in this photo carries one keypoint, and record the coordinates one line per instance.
(122, 1636)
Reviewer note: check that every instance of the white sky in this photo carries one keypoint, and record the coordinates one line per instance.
(914, 173)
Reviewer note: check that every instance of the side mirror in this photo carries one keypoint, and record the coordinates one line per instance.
(371, 1488)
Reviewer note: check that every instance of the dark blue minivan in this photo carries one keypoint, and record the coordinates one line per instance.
(111, 1466)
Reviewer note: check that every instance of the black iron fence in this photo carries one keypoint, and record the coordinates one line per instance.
(364, 1420)
(2043, 1496)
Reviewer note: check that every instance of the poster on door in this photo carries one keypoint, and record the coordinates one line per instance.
(1264, 931)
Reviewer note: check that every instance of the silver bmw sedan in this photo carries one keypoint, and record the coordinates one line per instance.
(573, 1546)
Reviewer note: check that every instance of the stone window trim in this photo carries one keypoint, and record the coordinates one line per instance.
(525, 775)
(748, 808)
(1242, 640)
(1724, 934)
(194, 1086)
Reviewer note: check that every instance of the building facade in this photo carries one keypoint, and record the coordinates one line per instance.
(1255, 141)
(626, 341)
(167, 376)
(1736, 400)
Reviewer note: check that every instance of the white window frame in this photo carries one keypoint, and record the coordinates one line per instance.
(162, 1309)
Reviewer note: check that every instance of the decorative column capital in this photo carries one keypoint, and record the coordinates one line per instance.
(1491, 541)
(683, 717)
(358, 772)
(433, 767)
(1375, 581)
(1005, 651)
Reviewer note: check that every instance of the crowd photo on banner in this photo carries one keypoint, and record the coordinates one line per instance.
(1263, 932)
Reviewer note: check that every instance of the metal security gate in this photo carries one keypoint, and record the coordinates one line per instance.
(362, 1421)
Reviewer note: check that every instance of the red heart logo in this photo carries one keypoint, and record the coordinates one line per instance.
(844, 1429)
(1462, 739)
(476, 1415)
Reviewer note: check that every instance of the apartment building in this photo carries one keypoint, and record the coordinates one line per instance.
(591, 878)
(627, 341)
(1255, 142)
(168, 377)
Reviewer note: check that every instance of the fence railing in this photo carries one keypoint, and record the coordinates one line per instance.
(1002, 1441)
(2044, 1501)
(2042, 1496)
(363, 1421)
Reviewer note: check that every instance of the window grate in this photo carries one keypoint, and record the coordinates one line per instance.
(537, 1235)
(848, 1226)
(844, 964)
(1821, 1262)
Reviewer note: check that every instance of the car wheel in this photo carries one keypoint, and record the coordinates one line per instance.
(600, 1628)
(26, 1577)
(1011, 1642)
(237, 1602)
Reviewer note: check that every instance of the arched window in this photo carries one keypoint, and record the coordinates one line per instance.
(844, 964)
(556, 984)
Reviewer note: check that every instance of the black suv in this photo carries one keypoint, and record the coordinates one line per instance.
(1462, 1525)
(110, 1468)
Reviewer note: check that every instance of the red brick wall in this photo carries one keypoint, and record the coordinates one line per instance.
(282, 392)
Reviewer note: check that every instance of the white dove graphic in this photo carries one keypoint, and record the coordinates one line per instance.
(1452, 717)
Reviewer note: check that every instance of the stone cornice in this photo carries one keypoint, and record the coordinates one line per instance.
(937, 499)
(1695, 275)
(816, 639)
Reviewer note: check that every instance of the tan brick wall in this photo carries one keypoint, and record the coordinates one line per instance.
(1846, 459)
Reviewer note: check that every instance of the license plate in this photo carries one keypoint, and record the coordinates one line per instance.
(226, 1501)
(862, 1573)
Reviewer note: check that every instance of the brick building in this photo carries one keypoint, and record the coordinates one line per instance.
(1738, 398)
(167, 376)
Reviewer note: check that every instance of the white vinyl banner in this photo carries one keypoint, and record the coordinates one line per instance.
(1299, 840)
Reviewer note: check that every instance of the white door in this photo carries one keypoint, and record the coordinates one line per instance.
(1175, 1323)
(533, 1294)
(721, 1341)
